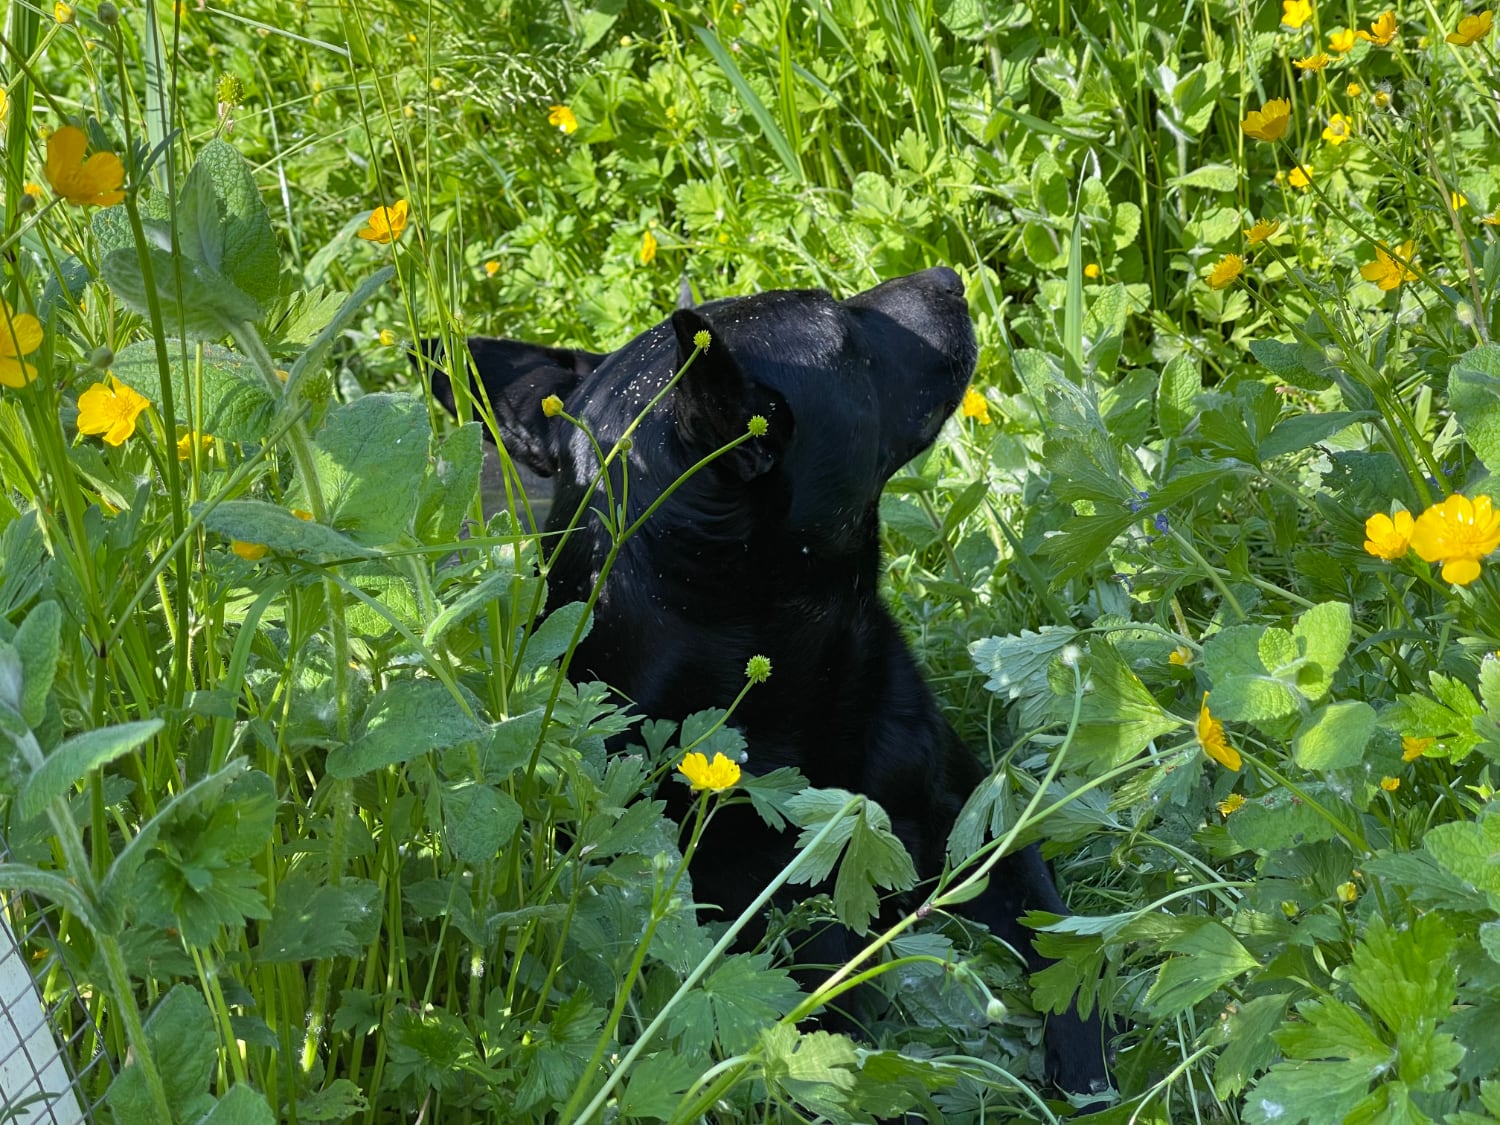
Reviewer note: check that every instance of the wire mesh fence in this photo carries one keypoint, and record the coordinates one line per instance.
(51, 1059)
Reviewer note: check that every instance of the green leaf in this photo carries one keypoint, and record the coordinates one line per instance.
(246, 243)
(658, 1081)
(255, 521)
(351, 308)
(365, 449)
(1469, 849)
(234, 402)
(409, 718)
(1292, 435)
(182, 1040)
(1177, 396)
(38, 643)
(314, 921)
(737, 1000)
(1406, 976)
(210, 305)
(492, 588)
(478, 820)
(1118, 716)
(450, 485)
(1318, 1092)
(1212, 177)
(340, 1100)
(1448, 716)
(816, 1070)
(874, 857)
(1278, 821)
(1322, 634)
(1211, 957)
(1334, 736)
(1474, 395)
(550, 640)
(72, 761)
(242, 1106)
(51, 886)
(773, 134)
(1248, 1046)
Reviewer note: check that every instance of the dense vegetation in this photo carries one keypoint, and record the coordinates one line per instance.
(1204, 568)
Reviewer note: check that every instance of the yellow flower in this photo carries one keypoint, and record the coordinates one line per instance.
(1312, 62)
(1492, 220)
(249, 551)
(1341, 40)
(491, 268)
(1382, 31)
(20, 334)
(1387, 537)
(1268, 122)
(1092, 271)
(718, 775)
(62, 13)
(1230, 267)
(4, 101)
(109, 409)
(1354, 89)
(95, 181)
(648, 248)
(185, 443)
(1263, 230)
(1300, 177)
(385, 224)
(552, 406)
(562, 117)
(1385, 271)
(1458, 200)
(976, 406)
(387, 337)
(1182, 656)
(1390, 784)
(1471, 29)
(1382, 96)
(1413, 747)
(1458, 533)
(1231, 804)
(1339, 129)
(1210, 733)
(1295, 13)
(33, 190)
(1347, 892)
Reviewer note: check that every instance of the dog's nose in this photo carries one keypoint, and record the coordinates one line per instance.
(944, 280)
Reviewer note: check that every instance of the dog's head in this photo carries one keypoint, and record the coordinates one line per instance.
(851, 390)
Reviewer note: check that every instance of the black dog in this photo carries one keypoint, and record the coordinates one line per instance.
(773, 549)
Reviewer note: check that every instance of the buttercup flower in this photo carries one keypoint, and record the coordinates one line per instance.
(385, 224)
(1413, 748)
(1269, 122)
(1347, 892)
(62, 13)
(1471, 29)
(552, 406)
(1389, 537)
(1182, 656)
(20, 334)
(648, 248)
(1457, 533)
(249, 551)
(1092, 271)
(95, 181)
(1231, 804)
(1313, 62)
(185, 443)
(1210, 733)
(718, 775)
(1230, 267)
(976, 406)
(1341, 40)
(562, 117)
(110, 410)
(1385, 271)
(387, 337)
(1382, 31)
(1339, 129)
(1354, 89)
(1390, 784)
(491, 268)
(1382, 96)
(1300, 177)
(1492, 220)
(1457, 200)
(1295, 13)
(1263, 230)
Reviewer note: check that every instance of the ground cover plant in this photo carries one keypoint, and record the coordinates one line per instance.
(1204, 568)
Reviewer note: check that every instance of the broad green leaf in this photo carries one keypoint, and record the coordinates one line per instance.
(1406, 976)
(255, 521)
(1323, 634)
(1292, 435)
(1118, 716)
(1248, 1046)
(1278, 821)
(1474, 395)
(210, 304)
(246, 243)
(478, 820)
(1212, 177)
(340, 1100)
(740, 997)
(1316, 1092)
(1211, 957)
(409, 718)
(242, 1106)
(314, 921)
(814, 1069)
(369, 452)
(495, 586)
(72, 761)
(183, 1043)
(1176, 398)
(874, 857)
(449, 485)
(658, 1081)
(1469, 849)
(551, 638)
(38, 643)
(235, 403)
(1335, 736)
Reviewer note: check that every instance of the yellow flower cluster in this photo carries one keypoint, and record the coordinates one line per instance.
(1458, 533)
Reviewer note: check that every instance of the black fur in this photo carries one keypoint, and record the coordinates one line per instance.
(774, 550)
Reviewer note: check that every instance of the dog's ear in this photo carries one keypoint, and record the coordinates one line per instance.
(715, 400)
(516, 377)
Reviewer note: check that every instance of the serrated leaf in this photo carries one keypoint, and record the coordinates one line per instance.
(241, 1106)
(38, 643)
(255, 521)
(1278, 821)
(1335, 736)
(73, 760)
(247, 245)
(1248, 1046)
(740, 998)
(658, 1081)
(1474, 395)
(340, 1100)
(209, 305)
(1211, 956)
(552, 636)
(313, 921)
(235, 402)
(1118, 716)
(1469, 849)
(1292, 435)
(872, 856)
(1211, 177)
(409, 718)
(364, 447)
(181, 1033)
(450, 485)
(491, 588)
(1317, 1092)
(815, 1070)
(478, 820)
(1177, 395)
(1323, 634)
